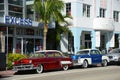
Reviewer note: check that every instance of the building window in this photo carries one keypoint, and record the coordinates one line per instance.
(19, 31)
(86, 10)
(68, 8)
(15, 14)
(1, 14)
(38, 32)
(15, 8)
(29, 31)
(10, 30)
(102, 12)
(1, 1)
(1, 6)
(16, 2)
(116, 16)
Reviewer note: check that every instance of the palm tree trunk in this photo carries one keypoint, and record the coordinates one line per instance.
(44, 41)
(45, 36)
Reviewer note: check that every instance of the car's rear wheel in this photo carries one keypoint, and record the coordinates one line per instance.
(65, 67)
(39, 69)
(104, 63)
(85, 64)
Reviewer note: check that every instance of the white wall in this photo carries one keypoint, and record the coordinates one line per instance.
(64, 43)
(116, 5)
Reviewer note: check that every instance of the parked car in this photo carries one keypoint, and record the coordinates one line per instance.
(44, 60)
(114, 55)
(87, 57)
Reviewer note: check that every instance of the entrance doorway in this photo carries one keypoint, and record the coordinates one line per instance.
(9, 45)
(85, 40)
(116, 40)
(102, 42)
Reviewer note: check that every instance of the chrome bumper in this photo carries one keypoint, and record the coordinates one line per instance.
(23, 67)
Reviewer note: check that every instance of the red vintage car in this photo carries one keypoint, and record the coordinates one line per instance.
(44, 60)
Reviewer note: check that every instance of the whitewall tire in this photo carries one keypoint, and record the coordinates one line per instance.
(39, 69)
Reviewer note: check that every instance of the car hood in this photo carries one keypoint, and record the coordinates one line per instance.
(24, 61)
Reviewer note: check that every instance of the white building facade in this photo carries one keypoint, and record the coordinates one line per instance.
(95, 24)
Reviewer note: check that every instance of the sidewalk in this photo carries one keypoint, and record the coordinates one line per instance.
(7, 73)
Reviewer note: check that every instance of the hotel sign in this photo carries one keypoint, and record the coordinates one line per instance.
(18, 21)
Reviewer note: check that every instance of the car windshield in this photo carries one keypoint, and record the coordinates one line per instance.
(115, 51)
(83, 52)
(38, 55)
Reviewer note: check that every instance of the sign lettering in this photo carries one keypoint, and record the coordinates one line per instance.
(18, 21)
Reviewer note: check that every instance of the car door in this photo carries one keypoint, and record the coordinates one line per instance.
(96, 56)
(52, 62)
(58, 57)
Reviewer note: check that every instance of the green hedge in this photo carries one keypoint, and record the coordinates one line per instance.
(11, 57)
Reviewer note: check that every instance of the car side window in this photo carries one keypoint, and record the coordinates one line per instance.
(38, 55)
(93, 52)
(57, 54)
(41, 55)
(97, 52)
(50, 54)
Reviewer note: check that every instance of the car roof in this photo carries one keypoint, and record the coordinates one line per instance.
(87, 49)
(116, 50)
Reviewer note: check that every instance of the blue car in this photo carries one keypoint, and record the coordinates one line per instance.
(86, 57)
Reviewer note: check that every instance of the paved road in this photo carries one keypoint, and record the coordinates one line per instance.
(93, 73)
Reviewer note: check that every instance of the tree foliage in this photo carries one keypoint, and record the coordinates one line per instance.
(48, 11)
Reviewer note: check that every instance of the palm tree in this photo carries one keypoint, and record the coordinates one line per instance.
(48, 11)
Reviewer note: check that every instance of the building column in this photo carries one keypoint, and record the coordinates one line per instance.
(14, 40)
(64, 43)
(2, 42)
(6, 7)
(22, 45)
(93, 39)
(110, 40)
(76, 34)
(24, 9)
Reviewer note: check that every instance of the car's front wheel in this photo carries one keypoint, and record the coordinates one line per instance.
(65, 67)
(39, 69)
(104, 63)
